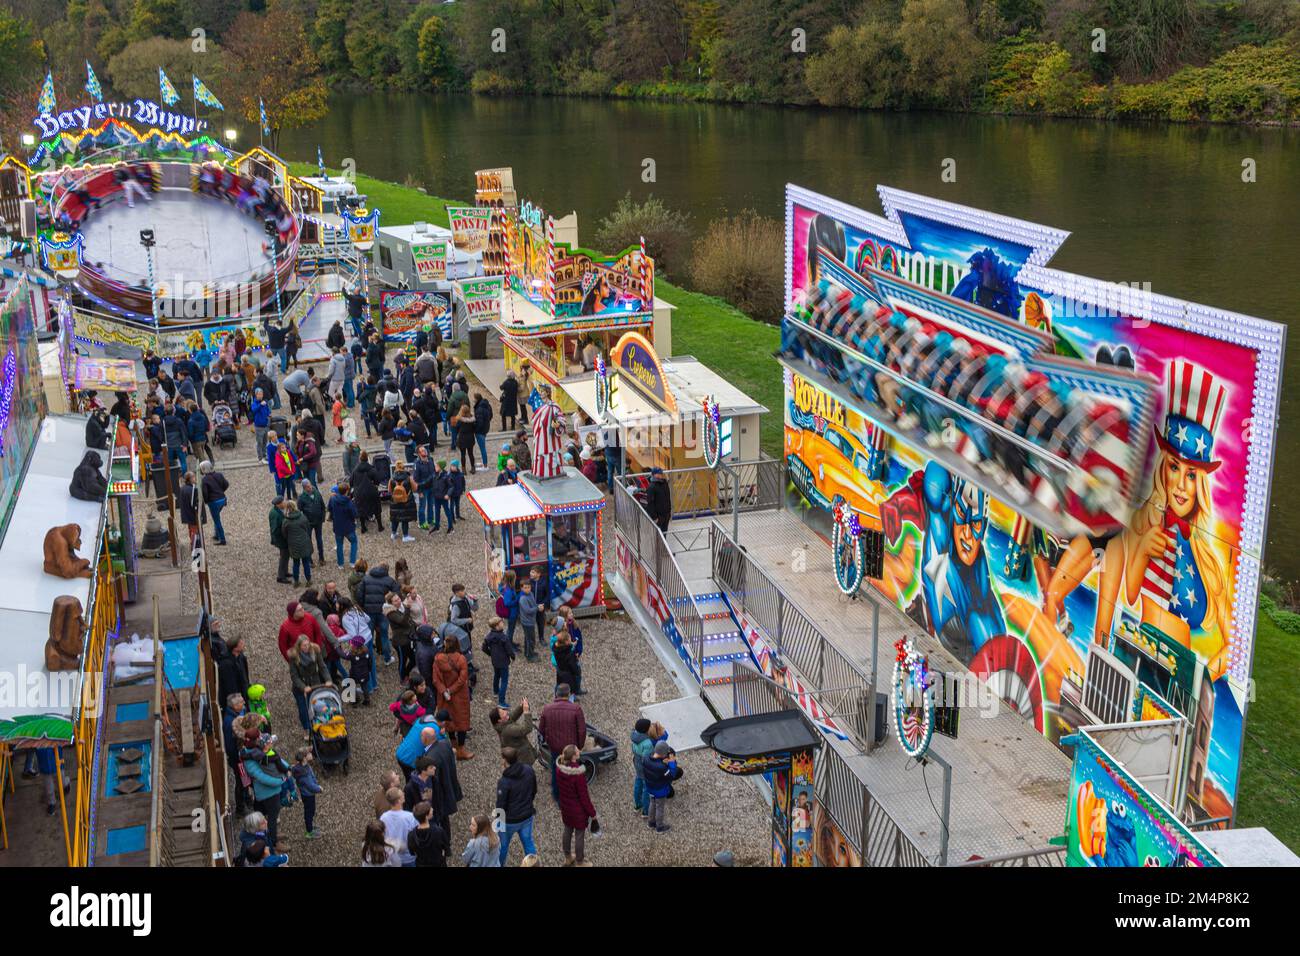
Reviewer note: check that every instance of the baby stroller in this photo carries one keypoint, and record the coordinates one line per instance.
(329, 730)
(383, 466)
(223, 426)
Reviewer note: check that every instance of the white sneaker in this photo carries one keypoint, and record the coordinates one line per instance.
(393, 535)
(407, 537)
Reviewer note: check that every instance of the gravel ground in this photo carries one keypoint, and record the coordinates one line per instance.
(712, 811)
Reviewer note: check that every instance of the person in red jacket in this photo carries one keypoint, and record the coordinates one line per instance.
(562, 723)
(575, 805)
(296, 624)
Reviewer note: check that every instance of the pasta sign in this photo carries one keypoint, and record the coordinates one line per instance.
(636, 361)
(430, 260)
(469, 227)
(482, 298)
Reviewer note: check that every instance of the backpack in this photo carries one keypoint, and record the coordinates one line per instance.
(400, 495)
(503, 612)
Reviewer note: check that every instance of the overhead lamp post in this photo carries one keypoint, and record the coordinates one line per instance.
(147, 240)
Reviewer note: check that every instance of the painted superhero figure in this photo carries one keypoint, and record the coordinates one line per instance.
(960, 606)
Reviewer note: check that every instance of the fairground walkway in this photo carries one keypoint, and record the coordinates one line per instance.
(997, 792)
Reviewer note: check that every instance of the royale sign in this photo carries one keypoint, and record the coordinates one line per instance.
(812, 401)
(143, 112)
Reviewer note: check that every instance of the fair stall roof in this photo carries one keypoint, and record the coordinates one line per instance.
(520, 316)
(689, 380)
(334, 187)
(504, 504)
(568, 492)
(407, 234)
(43, 503)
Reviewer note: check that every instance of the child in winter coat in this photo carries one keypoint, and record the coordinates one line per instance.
(566, 664)
(660, 770)
(428, 841)
(455, 488)
(338, 411)
(308, 787)
(360, 663)
(642, 746)
(407, 710)
(508, 606)
(528, 617)
(497, 646)
(575, 805)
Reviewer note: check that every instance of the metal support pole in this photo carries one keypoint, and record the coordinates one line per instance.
(171, 499)
(875, 662)
(946, 812)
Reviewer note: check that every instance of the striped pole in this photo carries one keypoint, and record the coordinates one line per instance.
(507, 240)
(647, 290)
(550, 265)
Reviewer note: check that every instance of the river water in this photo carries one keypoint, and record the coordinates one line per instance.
(1146, 203)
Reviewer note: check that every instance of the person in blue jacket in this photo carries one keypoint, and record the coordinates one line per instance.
(645, 737)
(423, 474)
(266, 789)
(197, 427)
(455, 488)
(261, 412)
(660, 770)
(441, 487)
(510, 604)
(271, 441)
(304, 777)
(412, 748)
(343, 517)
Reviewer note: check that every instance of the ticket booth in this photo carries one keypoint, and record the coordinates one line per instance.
(555, 524)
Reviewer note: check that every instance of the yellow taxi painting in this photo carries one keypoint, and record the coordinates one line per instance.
(829, 461)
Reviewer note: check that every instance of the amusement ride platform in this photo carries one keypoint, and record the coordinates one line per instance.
(1008, 781)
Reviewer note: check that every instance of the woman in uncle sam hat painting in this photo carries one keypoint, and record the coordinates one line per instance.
(1172, 567)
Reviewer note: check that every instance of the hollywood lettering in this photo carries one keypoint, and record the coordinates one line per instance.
(811, 400)
(139, 111)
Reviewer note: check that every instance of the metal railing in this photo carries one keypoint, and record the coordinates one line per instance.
(647, 542)
(841, 793)
(1051, 856)
(731, 488)
(843, 691)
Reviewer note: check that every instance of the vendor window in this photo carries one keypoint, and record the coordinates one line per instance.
(385, 257)
(573, 537)
(725, 430)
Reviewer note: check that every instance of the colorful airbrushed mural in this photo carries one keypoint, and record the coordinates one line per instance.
(582, 283)
(1142, 554)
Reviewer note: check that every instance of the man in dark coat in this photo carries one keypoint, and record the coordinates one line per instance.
(365, 492)
(374, 588)
(232, 669)
(445, 779)
(659, 499)
(278, 540)
(516, 796)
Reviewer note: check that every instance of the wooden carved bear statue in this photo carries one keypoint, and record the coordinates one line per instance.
(63, 649)
(61, 544)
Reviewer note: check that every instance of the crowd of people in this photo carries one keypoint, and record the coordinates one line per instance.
(345, 635)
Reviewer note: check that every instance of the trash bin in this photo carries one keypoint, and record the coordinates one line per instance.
(478, 343)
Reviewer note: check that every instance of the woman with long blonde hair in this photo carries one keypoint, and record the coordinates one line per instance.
(1172, 568)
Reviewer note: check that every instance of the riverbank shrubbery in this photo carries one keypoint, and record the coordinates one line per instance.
(738, 259)
(667, 232)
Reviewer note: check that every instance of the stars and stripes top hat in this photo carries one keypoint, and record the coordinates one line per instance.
(1194, 407)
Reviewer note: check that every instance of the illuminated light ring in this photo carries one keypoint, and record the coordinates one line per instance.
(712, 433)
(913, 723)
(602, 386)
(867, 255)
(848, 575)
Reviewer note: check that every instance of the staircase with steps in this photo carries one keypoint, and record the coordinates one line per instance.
(724, 643)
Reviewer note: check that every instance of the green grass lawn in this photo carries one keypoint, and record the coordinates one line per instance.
(1270, 776)
(740, 349)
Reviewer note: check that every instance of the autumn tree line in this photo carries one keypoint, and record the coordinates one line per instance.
(1234, 61)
